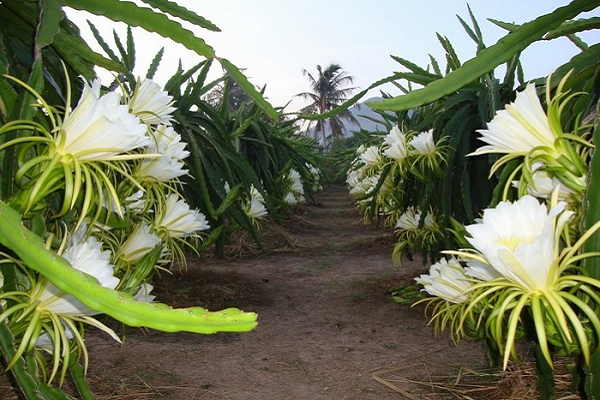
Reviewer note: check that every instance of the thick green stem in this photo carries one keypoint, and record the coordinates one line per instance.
(592, 207)
(31, 250)
(592, 264)
(78, 376)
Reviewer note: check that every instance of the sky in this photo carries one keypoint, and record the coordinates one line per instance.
(275, 40)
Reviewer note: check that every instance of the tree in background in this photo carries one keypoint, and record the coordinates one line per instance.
(328, 92)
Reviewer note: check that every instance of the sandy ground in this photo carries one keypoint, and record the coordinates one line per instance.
(327, 327)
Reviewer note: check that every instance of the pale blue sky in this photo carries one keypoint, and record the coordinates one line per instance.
(275, 39)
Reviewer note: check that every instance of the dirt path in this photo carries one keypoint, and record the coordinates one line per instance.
(326, 322)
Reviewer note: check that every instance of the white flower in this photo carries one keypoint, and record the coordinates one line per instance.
(395, 145)
(518, 240)
(423, 143)
(151, 104)
(140, 243)
(99, 128)
(296, 182)
(86, 256)
(316, 177)
(447, 280)
(355, 176)
(519, 128)
(143, 295)
(135, 202)
(365, 185)
(410, 219)
(178, 220)
(544, 185)
(256, 208)
(481, 271)
(396, 151)
(290, 199)
(371, 156)
(169, 165)
(395, 135)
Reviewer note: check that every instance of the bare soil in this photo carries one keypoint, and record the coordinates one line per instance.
(327, 326)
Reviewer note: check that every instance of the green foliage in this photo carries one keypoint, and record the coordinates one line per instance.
(462, 188)
(38, 45)
(455, 105)
(134, 15)
(240, 147)
(488, 59)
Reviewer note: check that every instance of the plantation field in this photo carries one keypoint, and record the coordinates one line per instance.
(327, 327)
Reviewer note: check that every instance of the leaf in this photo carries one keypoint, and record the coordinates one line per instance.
(155, 63)
(487, 59)
(50, 16)
(130, 50)
(121, 49)
(451, 56)
(8, 96)
(504, 25)
(178, 11)
(592, 385)
(131, 14)
(102, 43)
(591, 206)
(415, 68)
(588, 60)
(250, 90)
(435, 65)
(575, 26)
(76, 52)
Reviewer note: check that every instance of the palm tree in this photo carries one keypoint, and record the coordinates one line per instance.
(328, 92)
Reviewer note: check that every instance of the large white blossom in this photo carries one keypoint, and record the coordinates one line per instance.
(99, 127)
(371, 156)
(255, 208)
(166, 142)
(296, 180)
(518, 240)
(410, 219)
(138, 244)
(519, 128)
(178, 220)
(447, 280)
(395, 145)
(143, 294)
(543, 185)
(151, 104)
(85, 255)
(423, 143)
(290, 199)
(481, 271)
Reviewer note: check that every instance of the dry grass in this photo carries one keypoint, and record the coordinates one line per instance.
(274, 237)
(517, 382)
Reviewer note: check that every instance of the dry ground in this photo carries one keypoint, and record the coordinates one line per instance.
(327, 327)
